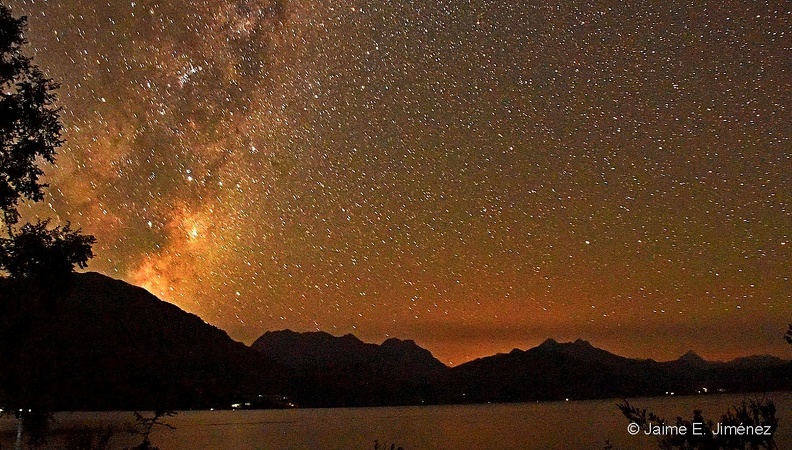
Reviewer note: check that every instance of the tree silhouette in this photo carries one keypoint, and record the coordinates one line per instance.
(30, 125)
(145, 425)
(30, 132)
(703, 434)
(36, 252)
(751, 413)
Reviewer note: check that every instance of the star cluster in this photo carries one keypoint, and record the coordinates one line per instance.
(473, 175)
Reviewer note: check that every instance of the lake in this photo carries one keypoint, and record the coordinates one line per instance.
(553, 425)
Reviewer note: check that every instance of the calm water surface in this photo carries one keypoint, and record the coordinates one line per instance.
(539, 426)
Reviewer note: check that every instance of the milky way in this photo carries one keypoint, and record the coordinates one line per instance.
(475, 175)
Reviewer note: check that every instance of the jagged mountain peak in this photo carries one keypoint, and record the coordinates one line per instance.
(399, 343)
(691, 357)
(549, 342)
(318, 347)
(552, 343)
(582, 343)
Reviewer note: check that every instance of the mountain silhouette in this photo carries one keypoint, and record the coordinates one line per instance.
(95, 343)
(344, 371)
(578, 370)
(99, 343)
(692, 359)
(324, 370)
(554, 371)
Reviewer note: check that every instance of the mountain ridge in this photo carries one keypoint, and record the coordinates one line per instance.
(100, 343)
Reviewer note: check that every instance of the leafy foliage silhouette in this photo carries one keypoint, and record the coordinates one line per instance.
(145, 425)
(30, 132)
(36, 252)
(30, 125)
(384, 446)
(756, 414)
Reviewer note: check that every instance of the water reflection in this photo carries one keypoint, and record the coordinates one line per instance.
(545, 426)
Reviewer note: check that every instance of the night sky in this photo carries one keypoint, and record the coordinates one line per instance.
(474, 175)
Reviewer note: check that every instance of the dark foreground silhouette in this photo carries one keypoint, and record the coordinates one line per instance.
(95, 343)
